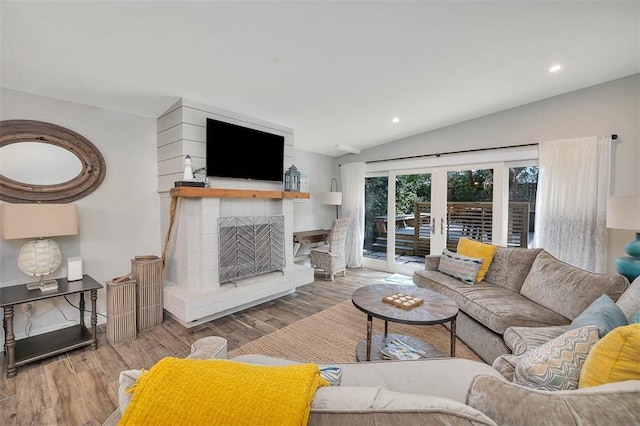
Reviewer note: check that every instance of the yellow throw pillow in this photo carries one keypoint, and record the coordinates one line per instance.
(615, 358)
(471, 248)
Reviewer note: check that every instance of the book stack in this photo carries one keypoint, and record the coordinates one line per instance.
(397, 349)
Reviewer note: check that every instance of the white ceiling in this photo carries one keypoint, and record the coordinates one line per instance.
(336, 72)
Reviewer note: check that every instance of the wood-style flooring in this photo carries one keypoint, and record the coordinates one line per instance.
(81, 387)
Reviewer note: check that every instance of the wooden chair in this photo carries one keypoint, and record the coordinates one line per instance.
(331, 257)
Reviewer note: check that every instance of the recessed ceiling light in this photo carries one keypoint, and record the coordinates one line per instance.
(395, 120)
(555, 68)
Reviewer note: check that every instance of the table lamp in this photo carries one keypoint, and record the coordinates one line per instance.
(623, 212)
(40, 256)
(333, 198)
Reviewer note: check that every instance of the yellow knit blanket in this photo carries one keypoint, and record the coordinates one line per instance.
(222, 392)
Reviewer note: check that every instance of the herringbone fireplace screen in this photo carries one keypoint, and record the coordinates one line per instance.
(249, 246)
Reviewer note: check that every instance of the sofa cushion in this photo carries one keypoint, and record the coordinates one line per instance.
(523, 339)
(511, 404)
(471, 248)
(510, 266)
(495, 307)
(616, 357)
(556, 365)
(565, 289)
(629, 302)
(603, 313)
(375, 405)
(424, 376)
(464, 268)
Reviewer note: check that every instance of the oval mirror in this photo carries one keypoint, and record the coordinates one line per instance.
(38, 163)
(46, 162)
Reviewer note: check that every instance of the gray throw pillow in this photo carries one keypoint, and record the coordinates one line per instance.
(603, 313)
(458, 266)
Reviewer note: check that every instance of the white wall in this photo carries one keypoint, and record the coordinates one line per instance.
(311, 214)
(608, 108)
(119, 220)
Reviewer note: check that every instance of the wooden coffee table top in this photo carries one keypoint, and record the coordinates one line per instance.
(436, 309)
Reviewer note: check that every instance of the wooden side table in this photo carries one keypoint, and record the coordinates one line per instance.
(30, 349)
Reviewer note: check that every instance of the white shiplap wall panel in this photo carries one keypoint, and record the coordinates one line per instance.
(170, 135)
(169, 119)
(168, 181)
(185, 123)
(195, 149)
(194, 132)
(172, 150)
(170, 166)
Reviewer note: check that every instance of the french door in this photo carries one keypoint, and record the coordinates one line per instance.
(425, 210)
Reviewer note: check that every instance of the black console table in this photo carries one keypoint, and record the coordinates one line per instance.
(34, 348)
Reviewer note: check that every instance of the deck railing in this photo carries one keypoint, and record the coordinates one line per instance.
(464, 219)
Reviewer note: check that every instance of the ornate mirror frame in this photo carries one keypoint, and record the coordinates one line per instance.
(90, 177)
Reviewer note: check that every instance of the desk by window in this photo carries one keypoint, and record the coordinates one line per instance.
(309, 237)
(34, 348)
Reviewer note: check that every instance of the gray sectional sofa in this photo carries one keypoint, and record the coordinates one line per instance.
(522, 288)
(439, 391)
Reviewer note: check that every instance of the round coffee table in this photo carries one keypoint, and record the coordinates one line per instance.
(436, 309)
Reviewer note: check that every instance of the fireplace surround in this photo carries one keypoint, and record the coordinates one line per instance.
(194, 291)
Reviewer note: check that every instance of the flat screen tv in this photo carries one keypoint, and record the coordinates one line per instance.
(240, 152)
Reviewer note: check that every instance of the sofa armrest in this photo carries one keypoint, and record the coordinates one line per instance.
(431, 262)
(510, 404)
(205, 348)
(522, 339)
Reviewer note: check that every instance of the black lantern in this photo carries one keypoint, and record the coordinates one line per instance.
(292, 179)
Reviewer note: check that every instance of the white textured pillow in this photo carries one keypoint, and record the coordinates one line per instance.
(556, 365)
(458, 266)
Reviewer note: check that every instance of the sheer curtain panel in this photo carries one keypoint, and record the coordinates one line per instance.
(573, 185)
(353, 207)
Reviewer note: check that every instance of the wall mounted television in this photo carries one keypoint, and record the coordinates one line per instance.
(235, 151)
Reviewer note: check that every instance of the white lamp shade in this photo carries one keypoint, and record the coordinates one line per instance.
(623, 212)
(38, 220)
(331, 198)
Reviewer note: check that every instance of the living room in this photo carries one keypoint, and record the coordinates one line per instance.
(127, 215)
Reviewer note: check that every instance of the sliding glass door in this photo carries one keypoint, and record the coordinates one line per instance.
(469, 199)
(420, 206)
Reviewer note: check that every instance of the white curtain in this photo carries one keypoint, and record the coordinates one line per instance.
(573, 185)
(353, 206)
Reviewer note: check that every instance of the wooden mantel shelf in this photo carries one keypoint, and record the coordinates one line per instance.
(193, 192)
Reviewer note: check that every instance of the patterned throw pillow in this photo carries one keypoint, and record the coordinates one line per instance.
(556, 365)
(458, 266)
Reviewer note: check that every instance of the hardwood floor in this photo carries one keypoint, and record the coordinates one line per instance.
(81, 386)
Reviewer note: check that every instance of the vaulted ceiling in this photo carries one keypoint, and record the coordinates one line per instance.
(336, 72)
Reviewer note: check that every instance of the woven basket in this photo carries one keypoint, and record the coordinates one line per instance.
(148, 273)
(121, 311)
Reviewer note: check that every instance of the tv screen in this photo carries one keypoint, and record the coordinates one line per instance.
(240, 152)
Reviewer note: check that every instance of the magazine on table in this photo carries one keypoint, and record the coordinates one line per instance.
(397, 349)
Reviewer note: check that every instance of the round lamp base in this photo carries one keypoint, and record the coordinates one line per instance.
(629, 267)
